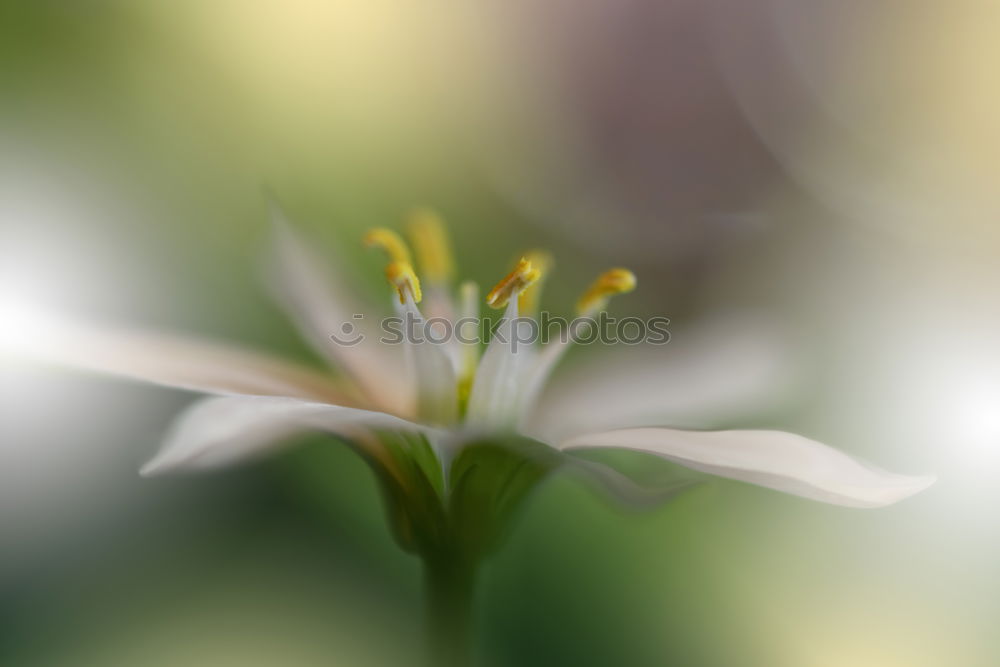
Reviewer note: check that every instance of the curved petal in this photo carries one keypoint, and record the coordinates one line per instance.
(218, 431)
(178, 361)
(308, 291)
(622, 488)
(724, 368)
(777, 460)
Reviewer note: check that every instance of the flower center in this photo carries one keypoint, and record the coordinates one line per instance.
(454, 382)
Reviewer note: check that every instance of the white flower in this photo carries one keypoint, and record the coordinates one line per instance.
(444, 394)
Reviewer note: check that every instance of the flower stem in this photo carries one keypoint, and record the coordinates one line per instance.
(450, 588)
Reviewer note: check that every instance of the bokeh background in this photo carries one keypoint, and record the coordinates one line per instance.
(808, 191)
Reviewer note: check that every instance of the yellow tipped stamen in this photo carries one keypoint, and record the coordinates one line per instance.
(402, 277)
(513, 283)
(527, 302)
(430, 241)
(609, 283)
(400, 271)
(391, 243)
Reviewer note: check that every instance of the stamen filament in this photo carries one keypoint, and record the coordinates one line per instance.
(469, 330)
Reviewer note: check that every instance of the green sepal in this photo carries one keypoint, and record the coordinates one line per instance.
(413, 488)
(488, 483)
(466, 515)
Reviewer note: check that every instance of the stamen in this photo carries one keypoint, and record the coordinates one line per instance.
(609, 283)
(390, 243)
(402, 277)
(530, 296)
(400, 271)
(513, 284)
(430, 241)
(469, 353)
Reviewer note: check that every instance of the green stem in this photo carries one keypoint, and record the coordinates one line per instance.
(450, 589)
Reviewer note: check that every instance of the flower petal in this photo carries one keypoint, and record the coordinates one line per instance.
(499, 382)
(218, 431)
(179, 361)
(777, 460)
(725, 368)
(307, 289)
(437, 388)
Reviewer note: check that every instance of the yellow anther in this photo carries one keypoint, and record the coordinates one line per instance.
(430, 241)
(541, 261)
(512, 284)
(403, 278)
(391, 243)
(609, 283)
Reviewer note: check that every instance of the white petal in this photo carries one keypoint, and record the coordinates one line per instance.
(500, 378)
(218, 431)
(181, 362)
(777, 460)
(439, 305)
(314, 298)
(539, 370)
(437, 387)
(724, 368)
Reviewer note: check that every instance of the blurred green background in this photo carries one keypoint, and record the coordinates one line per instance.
(829, 168)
